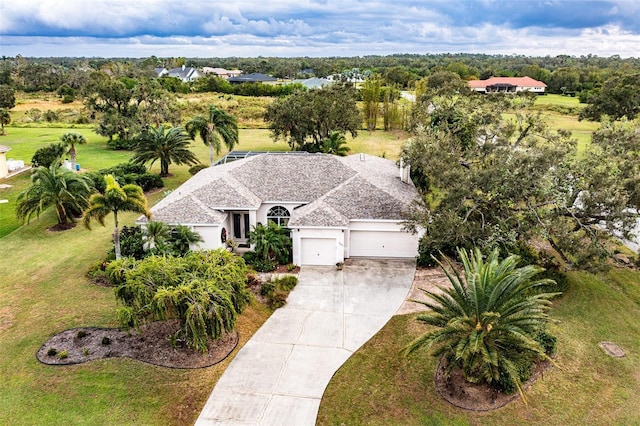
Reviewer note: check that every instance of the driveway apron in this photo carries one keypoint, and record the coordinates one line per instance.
(280, 374)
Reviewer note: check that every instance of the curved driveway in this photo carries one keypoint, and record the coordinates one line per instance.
(279, 376)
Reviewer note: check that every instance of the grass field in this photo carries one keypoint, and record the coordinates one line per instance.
(44, 290)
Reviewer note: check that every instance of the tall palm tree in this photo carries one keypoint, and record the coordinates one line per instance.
(168, 147)
(5, 118)
(58, 187)
(72, 139)
(335, 144)
(487, 322)
(218, 125)
(128, 198)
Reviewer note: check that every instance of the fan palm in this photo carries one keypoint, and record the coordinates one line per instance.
(488, 320)
(218, 125)
(72, 139)
(168, 147)
(54, 186)
(115, 199)
(335, 144)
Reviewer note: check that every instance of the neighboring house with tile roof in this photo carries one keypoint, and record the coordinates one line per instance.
(335, 207)
(221, 72)
(184, 73)
(508, 84)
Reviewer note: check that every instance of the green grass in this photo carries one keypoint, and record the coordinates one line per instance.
(378, 386)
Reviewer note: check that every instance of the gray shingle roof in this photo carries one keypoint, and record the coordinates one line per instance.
(334, 189)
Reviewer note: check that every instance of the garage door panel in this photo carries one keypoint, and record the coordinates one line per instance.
(318, 251)
(382, 244)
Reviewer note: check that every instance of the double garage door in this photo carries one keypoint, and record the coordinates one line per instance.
(382, 244)
(387, 244)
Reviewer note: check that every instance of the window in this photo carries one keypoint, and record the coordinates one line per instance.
(278, 215)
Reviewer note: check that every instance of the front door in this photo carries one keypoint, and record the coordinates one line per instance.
(241, 227)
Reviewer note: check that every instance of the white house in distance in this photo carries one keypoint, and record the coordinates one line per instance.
(221, 72)
(336, 207)
(508, 84)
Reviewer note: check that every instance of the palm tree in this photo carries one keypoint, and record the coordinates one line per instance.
(168, 147)
(219, 125)
(488, 321)
(271, 241)
(156, 236)
(182, 237)
(58, 187)
(115, 199)
(5, 119)
(72, 139)
(335, 144)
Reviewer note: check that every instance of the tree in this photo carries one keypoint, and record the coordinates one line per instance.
(168, 147)
(618, 97)
(370, 93)
(506, 180)
(49, 154)
(335, 144)
(218, 126)
(5, 119)
(304, 119)
(57, 187)
(128, 198)
(71, 139)
(204, 291)
(182, 238)
(490, 322)
(7, 97)
(272, 242)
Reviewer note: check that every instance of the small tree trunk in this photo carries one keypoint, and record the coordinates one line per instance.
(116, 236)
(72, 153)
(210, 154)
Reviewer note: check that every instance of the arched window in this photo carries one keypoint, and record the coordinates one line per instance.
(278, 215)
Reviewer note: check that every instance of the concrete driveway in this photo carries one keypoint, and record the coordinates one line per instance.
(279, 376)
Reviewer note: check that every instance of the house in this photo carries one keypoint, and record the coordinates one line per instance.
(253, 78)
(221, 72)
(314, 82)
(161, 72)
(508, 84)
(336, 207)
(184, 73)
(4, 170)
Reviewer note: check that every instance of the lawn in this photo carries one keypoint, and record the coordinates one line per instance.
(377, 386)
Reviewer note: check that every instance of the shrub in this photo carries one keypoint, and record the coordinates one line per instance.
(287, 283)
(52, 352)
(148, 181)
(105, 341)
(81, 333)
(63, 355)
(291, 267)
(268, 288)
(121, 144)
(264, 265)
(195, 169)
(85, 352)
(49, 154)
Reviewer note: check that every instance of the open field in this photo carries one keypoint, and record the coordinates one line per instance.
(378, 386)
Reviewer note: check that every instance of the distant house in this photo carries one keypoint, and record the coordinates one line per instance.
(161, 72)
(508, 84)
(314, 82)
(221, 72)
(184, 73)
(4, 170)
(253, 78)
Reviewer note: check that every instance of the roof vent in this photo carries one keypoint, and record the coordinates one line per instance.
(362, 157)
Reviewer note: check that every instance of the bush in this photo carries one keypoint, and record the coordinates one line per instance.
(105, 341)
(81, 333)
(287, 283)
(63, 355)
(121, 144)
(278, 290)
(52, 352)
(264, 265)
(148, 181)
(195, 169)
(49, 154)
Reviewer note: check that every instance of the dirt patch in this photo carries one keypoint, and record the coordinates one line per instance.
(151, 345)
(477, 397)
(59, 227)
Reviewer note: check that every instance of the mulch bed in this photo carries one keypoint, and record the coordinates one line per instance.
(151, 345)
(477, 397)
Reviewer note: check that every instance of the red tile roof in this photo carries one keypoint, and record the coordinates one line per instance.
(515, 81)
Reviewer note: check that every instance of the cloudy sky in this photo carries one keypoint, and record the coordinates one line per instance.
(217, 28)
